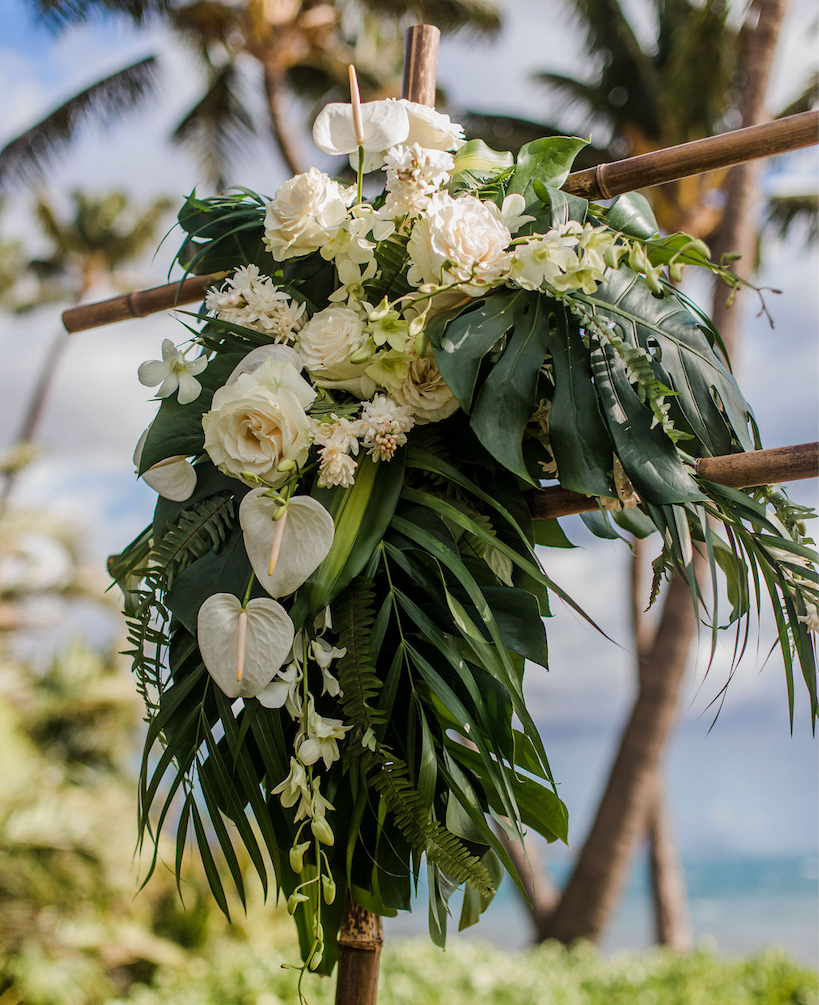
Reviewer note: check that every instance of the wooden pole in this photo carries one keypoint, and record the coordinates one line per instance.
(758, 467)
(361, 938)
(778, 137)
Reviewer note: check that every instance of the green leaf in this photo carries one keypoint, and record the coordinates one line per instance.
(632, 214)
(480, 160)
(549, 534)
(177, 429)
(506, 401)
(578, 437)
(549, 160)
(468, 337)
(226, 570)
(209, 482)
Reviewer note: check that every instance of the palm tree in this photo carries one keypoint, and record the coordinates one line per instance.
(295, 48)
(102, 233)
(699, 76)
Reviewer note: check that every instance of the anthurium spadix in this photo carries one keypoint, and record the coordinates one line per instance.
(243, 648)
(285, 543)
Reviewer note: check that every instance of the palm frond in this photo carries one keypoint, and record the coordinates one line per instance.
(784, 212)
(25, 158)
(805, 101)
(218, 126)
(474, 16)
(60, 14)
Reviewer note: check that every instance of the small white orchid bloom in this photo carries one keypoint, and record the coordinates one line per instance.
(512, 212)
(243, 647)
(173, 372)
(374, 125)
(294, 786)
(322, 738)
(283, 689)
(284, 548)
(323, 653)
(173, 478)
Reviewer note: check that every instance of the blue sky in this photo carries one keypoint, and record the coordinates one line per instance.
(724, 793)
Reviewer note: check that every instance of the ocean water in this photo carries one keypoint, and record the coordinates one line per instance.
(737, 905)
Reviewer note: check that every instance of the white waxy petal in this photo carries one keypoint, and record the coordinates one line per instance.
(189, 388)
(152, 372)
(305, 540)
(174, 478)
(267, 642)
(254, 359)
(384, 124)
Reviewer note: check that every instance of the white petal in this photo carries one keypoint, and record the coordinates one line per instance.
(275, 694)
(169, 351)
(140, 447)
(152, 372)
(168, 385)
(254, 359)
(174, 478)
(267, 644)
(189, 388)
(333, 130)
(385, 124)
(306, 540)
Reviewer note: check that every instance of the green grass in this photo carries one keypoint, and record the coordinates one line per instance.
(413, 972)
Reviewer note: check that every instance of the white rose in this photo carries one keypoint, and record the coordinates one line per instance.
(304, 213)
(418, 386)
(458, 240)
(259, 421)
(327, 342)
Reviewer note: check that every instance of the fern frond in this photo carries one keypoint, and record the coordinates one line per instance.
(195, 532)
(353, 617)
(388, 775)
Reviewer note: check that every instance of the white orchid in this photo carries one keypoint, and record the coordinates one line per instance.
(243, 647)
(321, 741)
(285, 543)
(283, 691)
(173, 372)
(173, 478)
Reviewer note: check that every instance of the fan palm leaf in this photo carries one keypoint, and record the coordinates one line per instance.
(59, 14)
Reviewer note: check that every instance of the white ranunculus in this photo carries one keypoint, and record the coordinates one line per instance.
(304, 213)
(243, 648)
(458, 240)
(327, 342)
(259, 421)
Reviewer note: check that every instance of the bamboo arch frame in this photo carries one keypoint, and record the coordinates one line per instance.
(361, 937)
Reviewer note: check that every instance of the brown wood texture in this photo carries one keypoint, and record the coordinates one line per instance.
(359, 953)
(607, 180)
(420, 64)
(138, 304)
(760, 467)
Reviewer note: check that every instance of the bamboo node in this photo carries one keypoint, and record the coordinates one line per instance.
(600, 180)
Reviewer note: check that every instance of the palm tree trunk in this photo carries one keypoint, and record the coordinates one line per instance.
(738, 231)
(274, 87)
(624, 810)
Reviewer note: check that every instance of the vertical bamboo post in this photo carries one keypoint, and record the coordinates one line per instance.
(361, 937)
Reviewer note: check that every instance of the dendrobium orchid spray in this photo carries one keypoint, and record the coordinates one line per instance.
(339, 590)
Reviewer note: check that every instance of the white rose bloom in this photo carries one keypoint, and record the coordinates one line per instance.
(259, 421)
(327, 342)
(458, 240)
(304, 214)
(420, 389)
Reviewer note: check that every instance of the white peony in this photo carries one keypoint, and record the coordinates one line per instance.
(259, 421)
(327, 342)
(458, 241)
(304, 214)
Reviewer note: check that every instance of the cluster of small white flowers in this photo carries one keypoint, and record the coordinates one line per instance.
(413, 175)
(571, 257)
(337, 440)
(249, 299)
(384, 425)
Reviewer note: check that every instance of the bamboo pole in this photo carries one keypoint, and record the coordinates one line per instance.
(360, 938)
(758, 467)
(778, 137)
(604, 181)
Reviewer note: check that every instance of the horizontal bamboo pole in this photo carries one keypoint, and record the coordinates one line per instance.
(608, 180)
(758, 467)
(604, 181)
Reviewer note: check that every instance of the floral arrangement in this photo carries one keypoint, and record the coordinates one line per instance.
(331, 611)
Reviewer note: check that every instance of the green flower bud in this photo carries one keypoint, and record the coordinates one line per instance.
(315, 960)
(297, 856)
(294, 900)
(328, 888)
(322, 830)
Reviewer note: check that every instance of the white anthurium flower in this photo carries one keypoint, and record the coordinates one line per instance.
(173, 478)
(284, 551)
(173, 372)
(243, 647)
(383, 125)
(254, 359)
